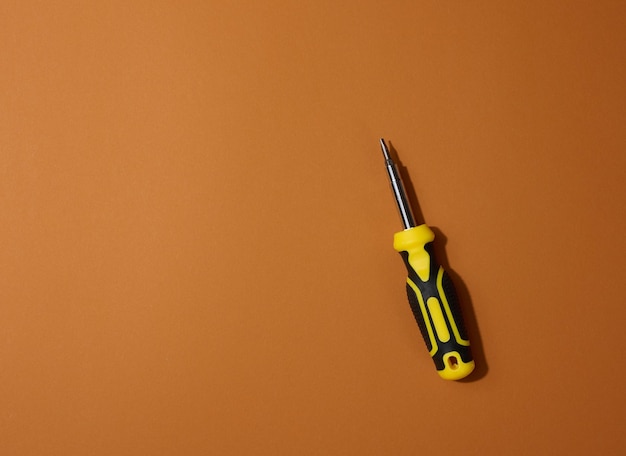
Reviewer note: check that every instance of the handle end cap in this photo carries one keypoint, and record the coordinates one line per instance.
(455, 368)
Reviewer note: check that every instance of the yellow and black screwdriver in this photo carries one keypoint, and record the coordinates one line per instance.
(430, 291)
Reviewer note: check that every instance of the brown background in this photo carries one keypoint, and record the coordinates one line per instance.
(196, 227)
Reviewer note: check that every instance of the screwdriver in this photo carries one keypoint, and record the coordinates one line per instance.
(431, 294)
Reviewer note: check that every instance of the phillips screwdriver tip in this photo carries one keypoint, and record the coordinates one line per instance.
(383, 146)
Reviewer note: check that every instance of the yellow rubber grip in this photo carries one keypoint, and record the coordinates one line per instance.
(434, 304)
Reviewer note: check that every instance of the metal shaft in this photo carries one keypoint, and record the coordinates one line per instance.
(404, 205)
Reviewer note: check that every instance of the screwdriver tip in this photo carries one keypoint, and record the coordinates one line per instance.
(383, 146)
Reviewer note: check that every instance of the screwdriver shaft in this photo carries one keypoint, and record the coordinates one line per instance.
(397, 186)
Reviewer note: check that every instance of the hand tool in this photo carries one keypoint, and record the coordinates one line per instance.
(431, 293)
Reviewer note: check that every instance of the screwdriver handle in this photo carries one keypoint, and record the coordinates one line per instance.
(434, 304)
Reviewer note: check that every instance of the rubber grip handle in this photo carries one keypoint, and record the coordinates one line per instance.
(434, 304)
